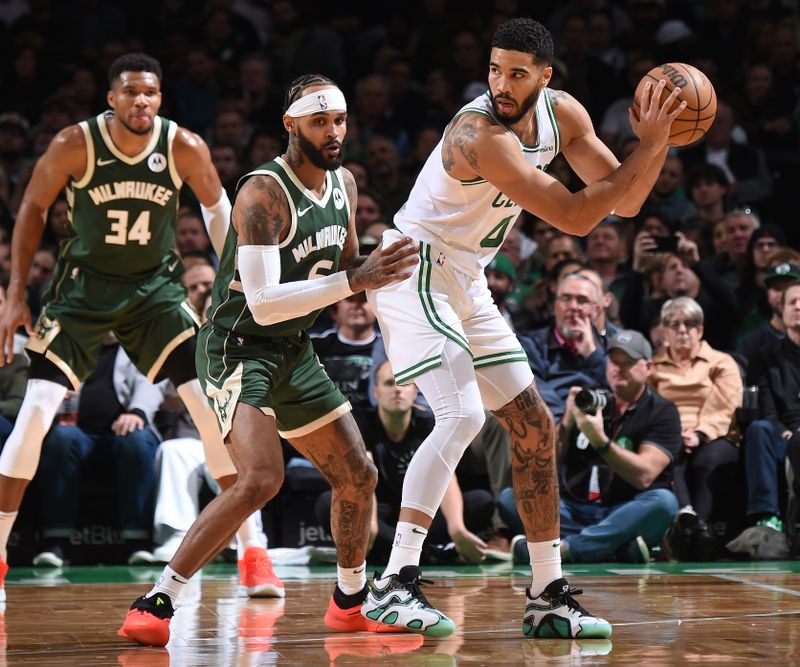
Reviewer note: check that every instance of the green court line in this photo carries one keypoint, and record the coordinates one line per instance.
(120, 574)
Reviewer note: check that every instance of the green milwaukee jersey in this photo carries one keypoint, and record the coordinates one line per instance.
(121, 217)
(311, 249)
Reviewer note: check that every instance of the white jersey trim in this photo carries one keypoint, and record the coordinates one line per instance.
(117, 153)
(292, 210)
(173, 168)
(87, 176)
(322, 202)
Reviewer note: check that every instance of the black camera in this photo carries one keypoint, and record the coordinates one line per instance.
(592, 400)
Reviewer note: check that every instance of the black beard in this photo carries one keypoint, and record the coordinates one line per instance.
(133, 130)
(316, 156)
(524, 108)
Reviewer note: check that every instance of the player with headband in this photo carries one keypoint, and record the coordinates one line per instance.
(288, 254)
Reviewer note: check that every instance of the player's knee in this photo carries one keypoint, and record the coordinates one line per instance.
(361, 477)
(259, 487)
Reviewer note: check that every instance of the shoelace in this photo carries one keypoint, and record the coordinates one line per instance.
(414, 587)
(566, 598)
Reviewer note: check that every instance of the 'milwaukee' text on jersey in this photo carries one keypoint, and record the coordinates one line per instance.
(131, 190)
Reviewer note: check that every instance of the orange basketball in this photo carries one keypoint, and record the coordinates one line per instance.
(696, 90)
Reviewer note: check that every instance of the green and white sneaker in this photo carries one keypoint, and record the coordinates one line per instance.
(398, 601)
(556, 615)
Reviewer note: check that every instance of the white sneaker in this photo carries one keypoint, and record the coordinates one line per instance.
(399, 602)
(165, 552)
(555, 615)
(52, 558)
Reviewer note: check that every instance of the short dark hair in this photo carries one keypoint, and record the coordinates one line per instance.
(704, 172)
(297, 87)
(526, 35)
(133, 62)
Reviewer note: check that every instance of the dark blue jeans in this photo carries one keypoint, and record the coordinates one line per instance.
(764, 464)
(596, 532)
(66, 451)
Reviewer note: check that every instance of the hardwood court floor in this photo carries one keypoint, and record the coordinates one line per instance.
(663, 614)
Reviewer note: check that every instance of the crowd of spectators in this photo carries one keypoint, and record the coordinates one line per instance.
(715, 236)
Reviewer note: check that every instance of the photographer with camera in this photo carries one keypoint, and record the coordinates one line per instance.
(615, 462)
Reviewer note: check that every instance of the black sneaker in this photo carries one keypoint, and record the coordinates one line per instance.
(554, 614)
(147, 622)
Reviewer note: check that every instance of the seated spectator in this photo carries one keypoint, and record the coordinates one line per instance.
(500, 275)
(744, 165)
(570, 352)
(539, 307)
(608, 313)
(773, 329)
(392, 434)
(190, 232)
(708, 190)
(681, 275)
(605, 252)
(740, 224)
(776, 372)
(615, 465)
(667, 200)
(346, 350)
(114, 421)
(39, 278)
(198, 281)
(706, 387)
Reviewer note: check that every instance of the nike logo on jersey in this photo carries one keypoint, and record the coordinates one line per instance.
(173, 265)
(103, 163)
(300, 213)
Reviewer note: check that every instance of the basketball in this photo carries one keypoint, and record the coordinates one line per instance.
(696, 90)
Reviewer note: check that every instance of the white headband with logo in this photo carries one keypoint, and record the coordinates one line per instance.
(324, 99)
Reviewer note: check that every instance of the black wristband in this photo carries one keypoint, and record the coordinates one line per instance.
(603, 449)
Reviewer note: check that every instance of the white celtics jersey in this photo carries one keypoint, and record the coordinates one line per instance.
(469, 220)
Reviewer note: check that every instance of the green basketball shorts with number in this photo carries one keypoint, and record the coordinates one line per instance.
(150, 318)
(281, 376)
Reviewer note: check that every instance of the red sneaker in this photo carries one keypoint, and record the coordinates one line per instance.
(372, 646)
(257, 576)
(147, 622)
(3, 573)
(350, 619)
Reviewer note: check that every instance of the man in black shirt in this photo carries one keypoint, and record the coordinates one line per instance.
(346, 350)
(392, 434)
(616, 463)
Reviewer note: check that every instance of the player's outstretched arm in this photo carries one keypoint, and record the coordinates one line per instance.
(194, 165)
(64, 158)
(492, 153)
(591, 159)
(262, 218)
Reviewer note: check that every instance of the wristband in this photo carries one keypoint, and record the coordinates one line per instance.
(603, 449)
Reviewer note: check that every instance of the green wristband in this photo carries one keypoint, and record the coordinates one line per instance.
(603, 449)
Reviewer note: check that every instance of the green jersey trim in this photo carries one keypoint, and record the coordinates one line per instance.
(292, 210)
(155, 135)
(173, 168)
(87, 176)
(552, 113)
(321, 202)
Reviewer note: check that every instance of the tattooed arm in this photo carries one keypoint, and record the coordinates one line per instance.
(261, 217)
(350, 251)
(475, 147)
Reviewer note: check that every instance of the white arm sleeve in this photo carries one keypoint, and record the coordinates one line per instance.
(271, 301)
(218, 219)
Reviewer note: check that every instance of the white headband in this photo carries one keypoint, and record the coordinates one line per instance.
(324, 99)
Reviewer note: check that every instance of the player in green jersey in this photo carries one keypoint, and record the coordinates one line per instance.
(117, 271)
(292, 231)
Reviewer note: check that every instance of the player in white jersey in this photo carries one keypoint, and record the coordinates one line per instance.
(443, 332)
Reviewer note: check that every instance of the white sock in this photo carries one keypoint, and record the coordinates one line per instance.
(545, 564)
(247, 536)
(170, 583)
(7, 520)
(351, 580)
(407, 547)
